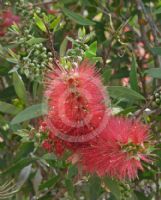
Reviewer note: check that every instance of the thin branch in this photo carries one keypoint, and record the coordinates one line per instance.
(148, 103)
(51, 42)
(140, 112)
(142, 10)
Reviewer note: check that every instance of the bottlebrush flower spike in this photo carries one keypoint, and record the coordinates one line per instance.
(76, 103)
(118, 150)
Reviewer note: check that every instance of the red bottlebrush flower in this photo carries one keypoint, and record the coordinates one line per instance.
(76, 102)
(7, 19)
(46, 145)
(52, 143)
(118, 151)
(59, 145)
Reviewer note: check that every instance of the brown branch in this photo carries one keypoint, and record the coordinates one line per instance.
(140, 112)
(51, 42)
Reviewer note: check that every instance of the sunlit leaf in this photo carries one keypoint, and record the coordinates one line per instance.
(19, 87)
(39, 23)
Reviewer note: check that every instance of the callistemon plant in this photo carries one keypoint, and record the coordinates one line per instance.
(119, 150)
(77, 110)
(90, 71)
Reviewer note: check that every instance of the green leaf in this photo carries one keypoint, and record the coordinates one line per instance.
(63, 47)
(91, 52)
(13, 54)
(154, 72)
(107, 75)
(70, 187)
(8, 108)
(49, 156)
(72, 171)
(13, 57)
(37, 180)
(120, 92)
(55, 24)
(113, 186)
(30, 113)
(23, 133)
(15, 28)
(133, 75)
(46, 18)
(24, 150)
(19, 87)
(39, 23)
(15, 167)
(94, 188)
(77, 18)
(24, 175)
(156, 50)
(12, 60)
(49, 183)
